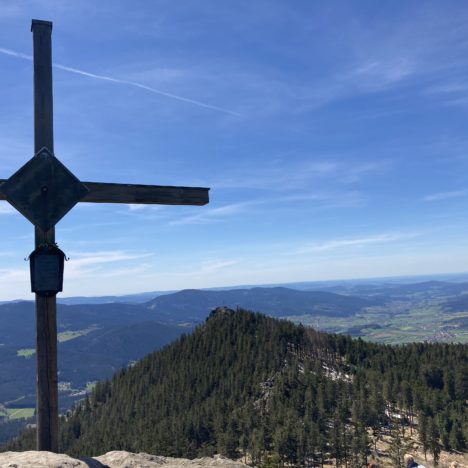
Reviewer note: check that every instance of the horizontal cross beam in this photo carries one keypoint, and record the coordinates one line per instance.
(100, 192)
(145, 194)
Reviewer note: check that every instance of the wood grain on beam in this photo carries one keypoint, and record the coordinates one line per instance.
(145, 194)
(46, 307)
(2, 195)
(100, 192)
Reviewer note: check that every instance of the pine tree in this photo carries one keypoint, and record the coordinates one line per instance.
(457, 440)
(336, 441)
(423, 433)
(397, 449)
(433, 436)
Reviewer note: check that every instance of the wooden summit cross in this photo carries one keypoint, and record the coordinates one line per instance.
(43, 191)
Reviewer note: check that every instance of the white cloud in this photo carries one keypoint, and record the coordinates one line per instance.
(15, 283)
(279, 177)
(14, 151)
(211, 215)
(358, 242)
(13, 53)
(126, 273)
(287, 175)
(379, 74)
(447, 88)
(10, 10)
(445, 195)
(214, 266)
(323, 200)
(135, 207)
(133, 84)
(84, 263)
(14, 273)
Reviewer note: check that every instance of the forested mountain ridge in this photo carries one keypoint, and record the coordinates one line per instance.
(246, 384)
(192, 304)
(95, 340)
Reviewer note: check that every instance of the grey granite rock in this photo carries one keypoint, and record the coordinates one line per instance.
(38, 460)
(116, 459)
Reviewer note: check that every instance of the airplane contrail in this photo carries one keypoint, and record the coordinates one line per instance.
(111, 79)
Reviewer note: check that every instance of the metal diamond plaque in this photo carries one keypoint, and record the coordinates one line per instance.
(43, 190)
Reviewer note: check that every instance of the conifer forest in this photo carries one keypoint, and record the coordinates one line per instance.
(275, 394)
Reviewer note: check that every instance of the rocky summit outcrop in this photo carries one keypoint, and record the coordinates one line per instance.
(115, 459)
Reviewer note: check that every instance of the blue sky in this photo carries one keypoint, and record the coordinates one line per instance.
(333, 136)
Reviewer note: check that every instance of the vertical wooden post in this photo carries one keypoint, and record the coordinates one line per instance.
(46, 322)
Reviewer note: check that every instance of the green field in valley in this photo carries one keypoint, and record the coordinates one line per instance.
(20, 413)
(16, 413)
(26, 352)
(62, 337)
(72, 334)
(90, 386)
(397, 323)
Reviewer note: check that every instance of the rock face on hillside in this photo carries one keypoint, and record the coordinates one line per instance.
(122, 459)
(116, 459)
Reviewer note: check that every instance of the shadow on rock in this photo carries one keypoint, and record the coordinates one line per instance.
(92, 463)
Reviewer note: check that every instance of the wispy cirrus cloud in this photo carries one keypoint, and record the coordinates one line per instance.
(453, 93)
(447, 88)
(379, 74)
(322, 201)
(83, 263)
(20, 274)
(135, 208)
(7, 253)
(279, 177)
(357, 242)
(11, 10)
(288, 175)
(217, 214)
(14, 151)
(134, 84)
(213, 266)
(445, 195)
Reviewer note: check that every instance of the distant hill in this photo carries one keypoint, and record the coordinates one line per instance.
(137, 298)
(348, 287)
(17, 319)
(192, 304)
(247, 385)
(430, 289)
(98, 339)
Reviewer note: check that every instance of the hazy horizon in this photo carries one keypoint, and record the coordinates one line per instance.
(408, 279)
